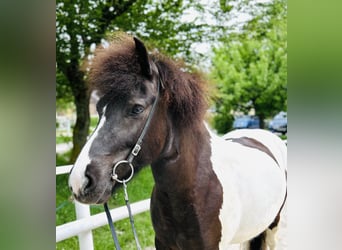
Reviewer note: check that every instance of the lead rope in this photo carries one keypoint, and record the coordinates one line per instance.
(131, 219)
(112, 228)
(109, 218)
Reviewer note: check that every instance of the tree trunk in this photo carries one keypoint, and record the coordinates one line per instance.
(81, 128)
(81, 100)
(262, 120)
(72, 69)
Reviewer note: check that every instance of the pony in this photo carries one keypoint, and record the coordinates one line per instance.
(210, 191)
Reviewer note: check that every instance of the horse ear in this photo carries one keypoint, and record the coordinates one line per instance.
(143, 58)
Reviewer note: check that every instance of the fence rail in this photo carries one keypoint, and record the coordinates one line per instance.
(85, 222)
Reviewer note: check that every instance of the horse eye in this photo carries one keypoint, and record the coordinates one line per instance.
(137, 109)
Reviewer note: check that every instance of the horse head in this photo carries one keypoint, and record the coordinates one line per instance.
(127, 82)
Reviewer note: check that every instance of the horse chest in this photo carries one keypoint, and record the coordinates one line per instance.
(184, 224)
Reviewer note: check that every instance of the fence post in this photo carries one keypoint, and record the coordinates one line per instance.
(85, 238)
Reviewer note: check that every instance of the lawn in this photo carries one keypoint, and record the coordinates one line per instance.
(139, 188)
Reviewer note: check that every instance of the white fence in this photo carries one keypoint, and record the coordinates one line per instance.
(85, 223)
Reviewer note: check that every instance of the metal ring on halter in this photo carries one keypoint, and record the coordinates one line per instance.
(115, 176)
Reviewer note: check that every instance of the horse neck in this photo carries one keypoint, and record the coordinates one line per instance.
(187, 157)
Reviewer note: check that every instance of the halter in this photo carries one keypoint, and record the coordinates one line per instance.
(134, 152)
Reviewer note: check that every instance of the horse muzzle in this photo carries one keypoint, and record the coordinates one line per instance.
(92, 187)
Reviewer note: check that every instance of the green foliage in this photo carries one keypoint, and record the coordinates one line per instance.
(224, 5)
(250, 67)
(83, 24)
(160, 27)
(223, 122)
(63, 92)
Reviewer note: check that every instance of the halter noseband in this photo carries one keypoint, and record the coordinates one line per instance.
(136, 149)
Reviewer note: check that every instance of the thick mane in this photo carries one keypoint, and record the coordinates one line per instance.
(116, 69)
(184, 92)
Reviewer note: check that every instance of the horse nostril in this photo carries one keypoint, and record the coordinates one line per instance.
(90, 181)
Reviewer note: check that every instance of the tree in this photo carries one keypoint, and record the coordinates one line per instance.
(250, 68)
(80, 24)
(83, 24)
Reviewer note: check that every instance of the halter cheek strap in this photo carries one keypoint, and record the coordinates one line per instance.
(135, 151)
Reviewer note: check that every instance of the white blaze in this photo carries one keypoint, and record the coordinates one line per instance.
(77, 178)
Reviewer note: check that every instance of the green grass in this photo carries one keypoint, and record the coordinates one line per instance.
(63, 139)
(93, 121)
(63, 159)
(139, 188)
(283, 137)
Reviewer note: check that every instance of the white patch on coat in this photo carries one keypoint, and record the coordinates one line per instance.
(77, 179)
(252, 192)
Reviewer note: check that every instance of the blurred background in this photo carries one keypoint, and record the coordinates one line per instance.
(240, 46)
(35, 38)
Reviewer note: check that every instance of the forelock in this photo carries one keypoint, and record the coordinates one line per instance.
(115, 68)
